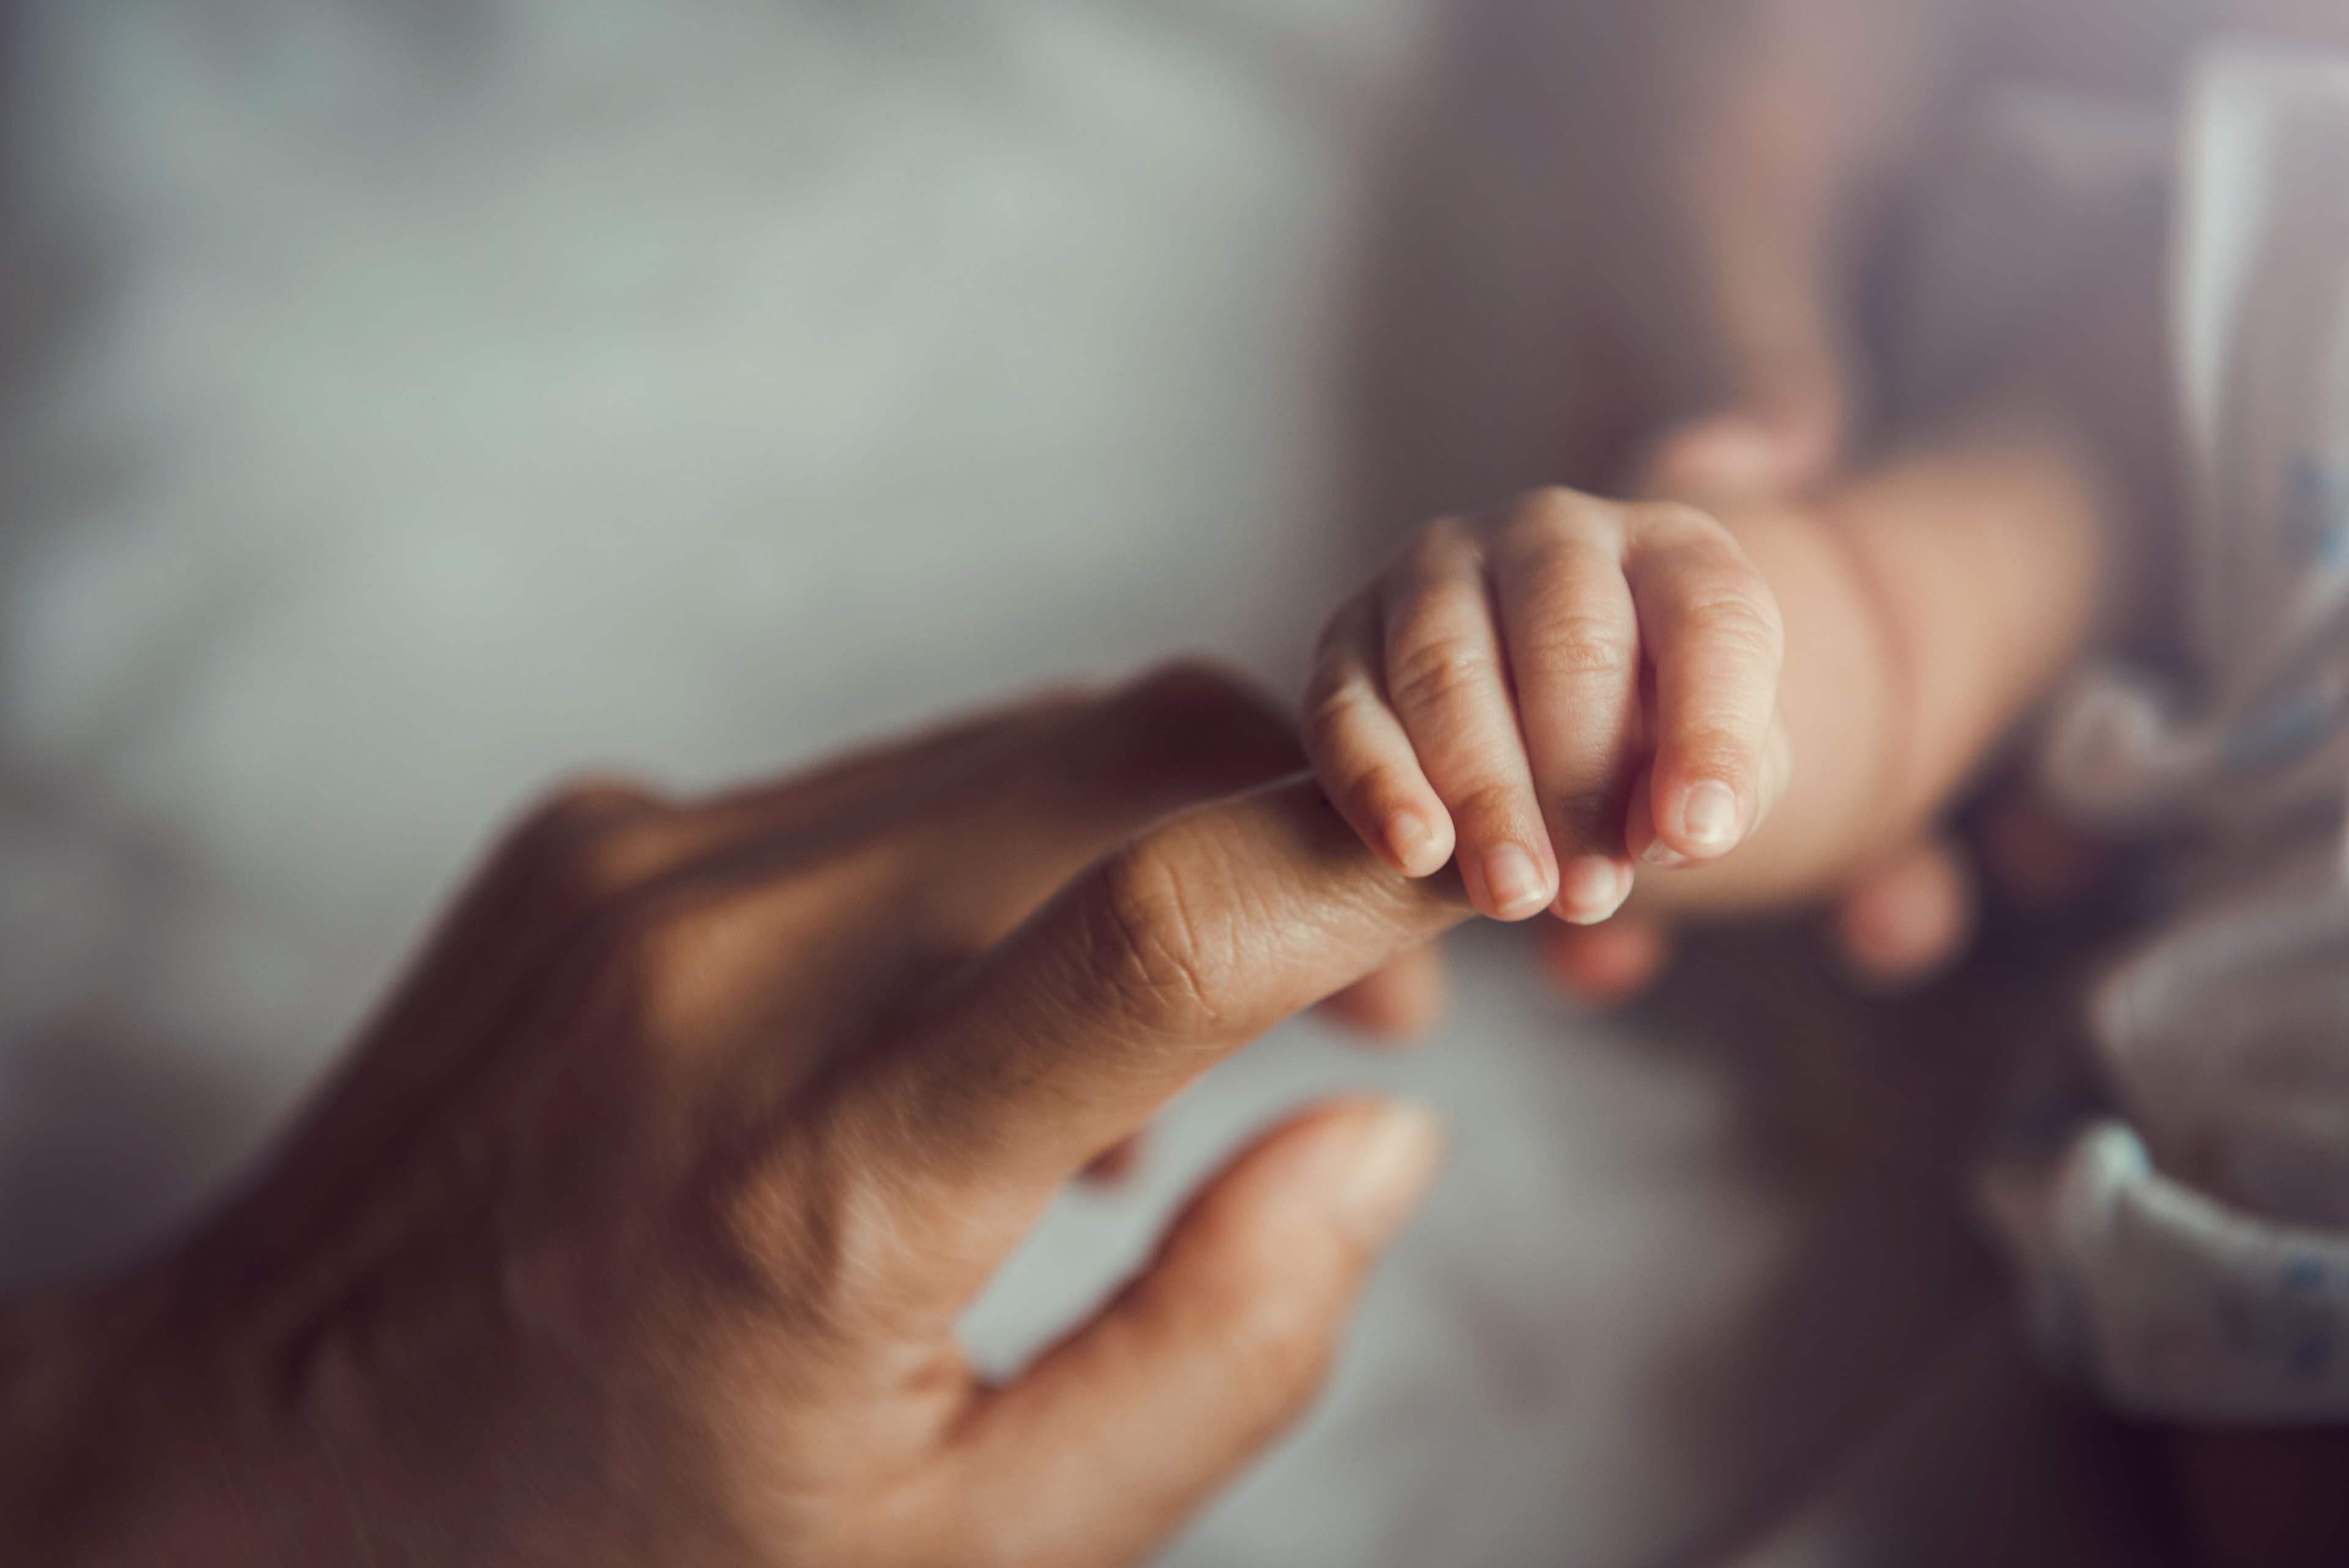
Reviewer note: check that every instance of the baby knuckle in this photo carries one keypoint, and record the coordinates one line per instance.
(1592, 819)
(1440, 536)
(1333, 717)
(1372, 790)
(1576, 644)
(1554, 508)
(1329, 643)
(1436, 669)
(1492, 804)
(1745, 620)
(1432, 554)
(1328, 706)
(1677, 519)
(1344, 754)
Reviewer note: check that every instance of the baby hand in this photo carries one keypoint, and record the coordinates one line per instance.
(1557, 692)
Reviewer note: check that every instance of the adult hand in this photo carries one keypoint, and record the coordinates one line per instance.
(637, 1227)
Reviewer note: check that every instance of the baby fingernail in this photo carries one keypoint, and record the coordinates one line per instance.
(1661, 854)
(1513, 882)
(1709, 816)
(1591, 888)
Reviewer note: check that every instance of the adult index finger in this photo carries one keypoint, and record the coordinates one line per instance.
(1167, 955)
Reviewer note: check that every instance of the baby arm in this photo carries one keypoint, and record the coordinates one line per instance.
(1571, 691)
(1928, 601)
(1492, 694)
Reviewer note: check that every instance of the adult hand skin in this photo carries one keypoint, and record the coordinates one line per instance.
(637, 1226)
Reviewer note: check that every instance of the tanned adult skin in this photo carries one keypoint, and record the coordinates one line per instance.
(637, 1226)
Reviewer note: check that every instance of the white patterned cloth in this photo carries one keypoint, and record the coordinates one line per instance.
(2189, 1249)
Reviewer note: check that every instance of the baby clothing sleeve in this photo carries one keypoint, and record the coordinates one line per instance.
(2186, 1248)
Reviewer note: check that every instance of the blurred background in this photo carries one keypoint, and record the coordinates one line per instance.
(405, 403)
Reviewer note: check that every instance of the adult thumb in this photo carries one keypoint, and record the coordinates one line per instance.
(1113, 1436)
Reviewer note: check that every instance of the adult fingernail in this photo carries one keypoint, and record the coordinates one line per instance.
(1388, 1171)
(1709, 816)
(1413, 843)
(1513, 882)
(1591, 888)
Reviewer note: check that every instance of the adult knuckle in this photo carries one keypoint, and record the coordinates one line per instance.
(797, 1215)
(581, 807)
(664, 960)
(612, 863)
(1190, 684)
(1149, 945)
(590, 840)
(644, 945)
(781, 1220)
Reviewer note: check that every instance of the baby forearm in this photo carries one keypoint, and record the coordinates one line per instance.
(1927, 602)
